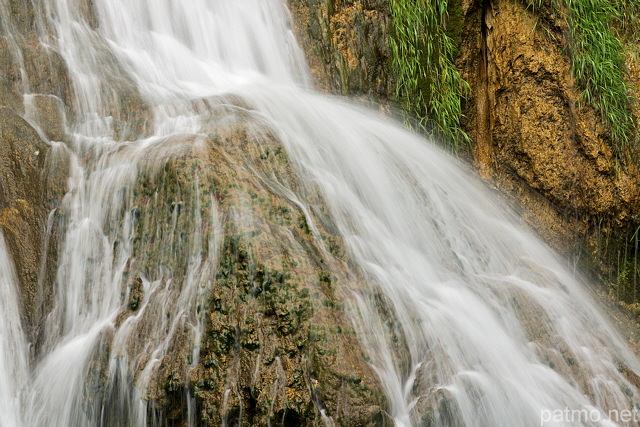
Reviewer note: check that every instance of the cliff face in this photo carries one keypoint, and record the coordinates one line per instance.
(534, 137)
(33, 172)
(277, 345)
(347, 45)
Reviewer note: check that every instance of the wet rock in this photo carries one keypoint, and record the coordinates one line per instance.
(346, 45)
(10, 94)
(46, 70)
(277, 343)
(534, 139)
(135, 294)
(22, 14)
(23, 211)
(88, 11)
(49, 114)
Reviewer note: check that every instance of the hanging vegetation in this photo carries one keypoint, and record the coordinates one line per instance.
(428, 84)
(597, 28)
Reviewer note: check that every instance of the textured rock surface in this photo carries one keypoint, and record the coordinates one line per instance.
(22, 154)
(277, 344)
(32, 174)
(532, 136)
(24, 188)
(536, 142)
(346, 44)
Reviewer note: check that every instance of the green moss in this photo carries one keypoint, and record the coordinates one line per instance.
(281, 215)
(135, 294)
(325, 279)
(273, 289)
(614, 259)
(302, 223)
(423, 48)
(172, 383)
(625, 283)
(169, 217)
(334, 246)
(455, 23)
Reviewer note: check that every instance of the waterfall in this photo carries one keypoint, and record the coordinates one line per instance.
(13, 350)
(464, 315)
(492, 325)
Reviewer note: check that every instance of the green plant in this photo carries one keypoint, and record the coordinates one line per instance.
(629, 23)
(428, 83)
(598, 65)
(597, 54)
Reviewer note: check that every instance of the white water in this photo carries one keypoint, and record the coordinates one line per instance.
(461, 276)
(485, 318)
(13, 350)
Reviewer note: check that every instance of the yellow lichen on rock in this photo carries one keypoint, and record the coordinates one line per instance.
(542, 143)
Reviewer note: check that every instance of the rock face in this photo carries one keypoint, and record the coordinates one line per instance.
(277, 346)
(32, 174)
(535, 139)
(23, 214)
(532, 137)
(347, 45)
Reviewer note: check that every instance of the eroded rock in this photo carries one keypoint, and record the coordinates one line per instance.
(277, 343)
(24, 187)
(346, 45)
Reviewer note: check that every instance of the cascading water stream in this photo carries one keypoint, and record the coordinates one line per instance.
(467, 318)
(13, 349)
(489, 319)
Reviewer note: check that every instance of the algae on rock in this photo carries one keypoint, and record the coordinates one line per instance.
(276, 343)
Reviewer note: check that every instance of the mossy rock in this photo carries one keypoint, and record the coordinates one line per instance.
(10, 79)
(346, 44)
(47, 70)
(275, 283)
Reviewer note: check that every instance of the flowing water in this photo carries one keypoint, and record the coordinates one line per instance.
(467, 318)
(13, 355)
